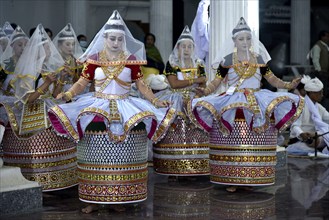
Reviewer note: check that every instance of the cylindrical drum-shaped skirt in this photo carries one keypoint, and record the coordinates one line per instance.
(243, 157)
(45, 158)
(112, 173)
(183, 151)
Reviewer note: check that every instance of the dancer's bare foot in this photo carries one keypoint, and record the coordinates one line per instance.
(231, 189)
(235, 188)
(90, 208)
(118, 208)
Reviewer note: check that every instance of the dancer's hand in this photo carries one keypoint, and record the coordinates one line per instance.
(50, 78)
(201, 91)
(64, 96)
(162, 103)
(294, 83)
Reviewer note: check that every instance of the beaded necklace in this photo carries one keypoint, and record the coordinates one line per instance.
(245, 69)
(114, 70)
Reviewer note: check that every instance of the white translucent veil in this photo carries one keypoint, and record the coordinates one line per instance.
(67, 33)
(8, 29)
(174, 58)
(131, 46)
(257, 50)
(18, 35)
(3, 41)
(40, 56)
(61, 41)
(10, 56)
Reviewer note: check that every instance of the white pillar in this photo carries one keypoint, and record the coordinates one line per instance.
(161, 23)
(224, 16)
(76, 14)
(300, 31)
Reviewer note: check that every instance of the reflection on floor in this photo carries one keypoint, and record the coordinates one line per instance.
(300, 192)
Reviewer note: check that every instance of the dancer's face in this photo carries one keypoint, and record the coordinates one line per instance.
(185, 49)
(114, 41)
(242, 41)
(67, 47)
(18, 46)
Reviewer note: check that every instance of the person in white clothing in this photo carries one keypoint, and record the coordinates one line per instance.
(312, 122)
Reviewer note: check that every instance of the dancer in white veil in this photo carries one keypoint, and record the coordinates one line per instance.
(3, 41)
(184, 150)
(68, 46)
(29, 142)
(8, 62)
(245, 115)
(110, 126)
(11, 56)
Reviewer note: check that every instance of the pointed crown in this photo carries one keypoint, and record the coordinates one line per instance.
(186, 35)
(67, 33)
(18, 34)
(115, 23)
(41, 32)
(241, 26)
(7, 28)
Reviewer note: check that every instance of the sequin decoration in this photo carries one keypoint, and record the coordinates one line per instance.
(183, 151)
(45, 157)
(243, 157)
(112, 173)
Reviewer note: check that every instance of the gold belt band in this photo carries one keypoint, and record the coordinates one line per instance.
(110, 96)
(247, 90)
(182, 90)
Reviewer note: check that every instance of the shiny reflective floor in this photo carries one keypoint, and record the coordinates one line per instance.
(301, 191)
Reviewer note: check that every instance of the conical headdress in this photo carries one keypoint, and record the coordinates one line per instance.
(186, 35)
(115, 24)
(133, 49)
(8, 29)
(18, 34)
(67, 33)
(241, 26)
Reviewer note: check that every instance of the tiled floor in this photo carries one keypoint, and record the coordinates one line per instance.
(300, 192)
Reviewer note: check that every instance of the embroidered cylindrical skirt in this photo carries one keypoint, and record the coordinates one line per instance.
(243, 157)
(182, 201)
(183, 151)
(45, 158)
(112, 173)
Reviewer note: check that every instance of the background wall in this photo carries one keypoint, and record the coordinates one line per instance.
(55, 14)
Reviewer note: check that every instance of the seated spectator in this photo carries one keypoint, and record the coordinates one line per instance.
(83, 41)
(306, 132)
(49, 32)
(153, 55)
